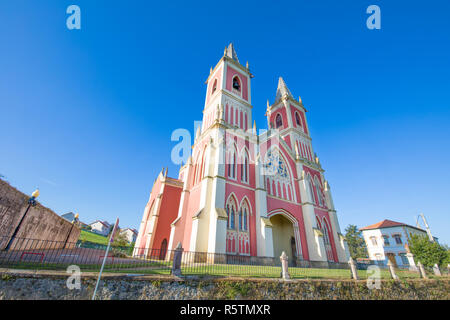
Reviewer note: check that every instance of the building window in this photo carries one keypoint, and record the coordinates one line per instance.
(405, 261)
(297, 119)
(398, 239)
(310, 187)
(386, 240)
(374, 240)
(278, 121)
(243, 218)
(214, 87)
(244, 168)
(231, 211)
(232, 164)
(319, 192)
(236, 83)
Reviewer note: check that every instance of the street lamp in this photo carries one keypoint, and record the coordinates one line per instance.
(31, 202)
(75, 220)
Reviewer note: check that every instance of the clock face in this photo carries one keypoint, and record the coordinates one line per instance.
(275, 166)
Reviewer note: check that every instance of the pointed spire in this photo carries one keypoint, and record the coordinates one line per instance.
(268, 104)
(230, 52)
(246, 65)
(210, 70)
(282, 90)
(254, 127)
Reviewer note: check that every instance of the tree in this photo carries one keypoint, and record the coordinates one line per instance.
(355, 242)
(120, 240)
(427, 252)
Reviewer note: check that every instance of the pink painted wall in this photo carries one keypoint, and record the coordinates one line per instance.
(229, 83)
(273, 116)
(322, 213)
(218, 76)
(167, 214)
(240, 193)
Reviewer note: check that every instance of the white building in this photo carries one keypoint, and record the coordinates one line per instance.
(100, 227)
(130, 234)
(387, 239)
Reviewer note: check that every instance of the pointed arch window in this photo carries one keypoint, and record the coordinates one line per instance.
(231, 212)
(326, 237)
(214, 88)
(232, 163)
(244, 213)
(297, 119)
(320, 196)
(236, 84)
(245, 168)
(278, 121)
(310, 187)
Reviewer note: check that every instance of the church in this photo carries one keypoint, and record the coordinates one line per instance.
(243, 193)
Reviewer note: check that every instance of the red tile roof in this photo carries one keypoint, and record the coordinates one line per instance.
(384, 224)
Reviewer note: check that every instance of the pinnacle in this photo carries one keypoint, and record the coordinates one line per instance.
(282, 89)
(231, 52)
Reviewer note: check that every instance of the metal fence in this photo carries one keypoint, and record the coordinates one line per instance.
(56, 255)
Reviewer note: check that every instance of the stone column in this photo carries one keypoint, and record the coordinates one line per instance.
(176, 264)
(284, 266)
(422, 270)
(352, 264)
(412, 264)
(436, 270)
(392, 270)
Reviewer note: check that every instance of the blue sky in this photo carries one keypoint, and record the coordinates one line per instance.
(87, 115)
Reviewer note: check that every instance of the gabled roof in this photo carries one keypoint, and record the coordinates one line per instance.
(387, 224)
(132, 230)
(106, 224)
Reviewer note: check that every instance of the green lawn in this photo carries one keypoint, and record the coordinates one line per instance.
(93, 237)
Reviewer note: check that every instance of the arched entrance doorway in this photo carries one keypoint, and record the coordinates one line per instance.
(285, 236)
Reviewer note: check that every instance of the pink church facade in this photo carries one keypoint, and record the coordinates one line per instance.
(242, 193)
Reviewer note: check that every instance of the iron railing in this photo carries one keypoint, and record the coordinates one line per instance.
(57, 255)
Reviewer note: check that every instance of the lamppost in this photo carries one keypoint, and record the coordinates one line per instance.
(75, 220)
(31, 202)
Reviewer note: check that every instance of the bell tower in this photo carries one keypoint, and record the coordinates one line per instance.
(289, 116)
(228, 93)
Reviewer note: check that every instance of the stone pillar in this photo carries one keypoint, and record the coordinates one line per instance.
(284, 266)
(422, 270)
(412, 264)
(352, 264)
(392, 270)
(176, 264)
(436, 270)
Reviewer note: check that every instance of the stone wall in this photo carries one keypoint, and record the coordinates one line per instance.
(14, 286)
(40, 223)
